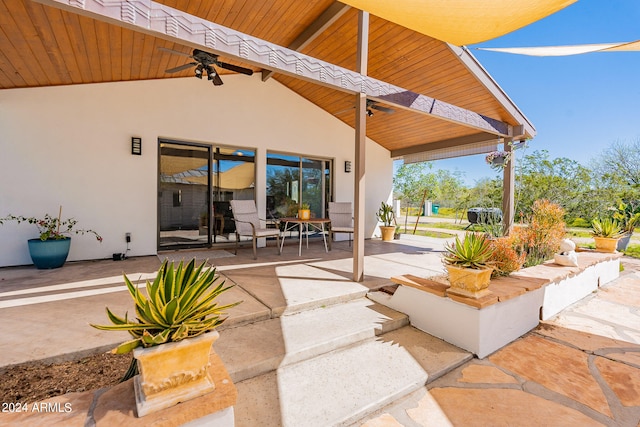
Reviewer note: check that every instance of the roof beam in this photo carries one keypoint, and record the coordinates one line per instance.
(317, 27)
(479, 138)
(180, 27)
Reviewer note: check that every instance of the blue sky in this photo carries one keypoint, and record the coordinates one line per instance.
(578, 104)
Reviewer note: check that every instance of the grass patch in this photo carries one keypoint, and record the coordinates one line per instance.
(445, 225)
(578, 233)
(633, 251)
(429, 233)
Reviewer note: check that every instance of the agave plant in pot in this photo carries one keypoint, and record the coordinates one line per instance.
(173, 334)
(606, 233)
(304, 212)
(468, 263)
(51, 248)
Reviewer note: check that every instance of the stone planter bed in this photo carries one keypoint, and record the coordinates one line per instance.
(517, 303)
(116, 406)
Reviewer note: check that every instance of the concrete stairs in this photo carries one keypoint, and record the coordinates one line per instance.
(330, 364)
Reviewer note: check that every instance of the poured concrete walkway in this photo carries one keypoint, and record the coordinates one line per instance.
(580, 368)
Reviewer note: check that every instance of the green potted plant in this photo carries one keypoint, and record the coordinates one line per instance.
(172, 334)
(386, 216)
(51, 248)
(628, 219)
(304, 212)
(606, 233)
(468, 263)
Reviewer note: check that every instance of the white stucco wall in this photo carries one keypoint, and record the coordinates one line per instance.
(71, 145)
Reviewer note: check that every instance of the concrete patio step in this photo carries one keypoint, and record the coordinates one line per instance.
(333, 389)
(265, 346)
(329, 366)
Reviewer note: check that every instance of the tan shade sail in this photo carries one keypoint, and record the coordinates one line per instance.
(567, 50)
(632, 46)
(236, 178)
(461, 22)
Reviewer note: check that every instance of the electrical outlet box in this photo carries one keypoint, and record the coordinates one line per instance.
(128, 237)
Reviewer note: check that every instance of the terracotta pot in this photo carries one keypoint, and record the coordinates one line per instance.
(387, 232)
(605, 244)
(304, 213)
(173, 373)
(469, 282)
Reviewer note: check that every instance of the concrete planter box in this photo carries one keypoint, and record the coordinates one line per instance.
(480, 331)
(173, 373)
(560, 294)
(516, 305)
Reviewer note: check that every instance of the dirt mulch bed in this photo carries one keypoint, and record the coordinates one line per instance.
(35, 381)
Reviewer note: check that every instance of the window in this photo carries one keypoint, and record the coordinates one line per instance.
(294, 179)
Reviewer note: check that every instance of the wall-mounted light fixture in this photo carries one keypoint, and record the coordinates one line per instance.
(136, 145)
(347, 166)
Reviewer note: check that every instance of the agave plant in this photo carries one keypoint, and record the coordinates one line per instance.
(606, 228)
(180, 303)
(474, 251)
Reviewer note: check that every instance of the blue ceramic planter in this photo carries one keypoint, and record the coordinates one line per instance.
(47, 254)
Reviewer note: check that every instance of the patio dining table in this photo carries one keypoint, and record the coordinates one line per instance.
(304, 225)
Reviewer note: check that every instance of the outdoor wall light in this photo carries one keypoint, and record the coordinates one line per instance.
(136, 145)
(347, 166)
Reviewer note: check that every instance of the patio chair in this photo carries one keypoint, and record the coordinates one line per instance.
(341, 216)
(249, 224)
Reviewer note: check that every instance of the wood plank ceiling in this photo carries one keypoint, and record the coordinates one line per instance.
(45, 46)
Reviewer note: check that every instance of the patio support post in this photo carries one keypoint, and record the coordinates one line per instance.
(361, 140)
(508, 187)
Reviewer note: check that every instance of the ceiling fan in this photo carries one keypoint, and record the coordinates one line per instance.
(204, 62)
(371, 105)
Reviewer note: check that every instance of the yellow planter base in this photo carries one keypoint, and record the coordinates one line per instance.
(606, 244)
(469, 282)
(173, 373)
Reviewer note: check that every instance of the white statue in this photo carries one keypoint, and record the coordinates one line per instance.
(567, 255)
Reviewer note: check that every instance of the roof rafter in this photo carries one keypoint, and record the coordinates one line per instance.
(317, 27)
(180, 27)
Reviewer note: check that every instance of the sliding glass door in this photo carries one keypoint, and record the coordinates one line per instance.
(195, 184)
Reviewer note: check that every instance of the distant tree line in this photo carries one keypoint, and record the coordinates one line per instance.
(585, 192)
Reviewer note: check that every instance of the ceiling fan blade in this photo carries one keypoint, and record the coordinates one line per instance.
(181, 67)
(235, 68)
(344, 111)
(383, 109)
(175, 51)
(217, 81)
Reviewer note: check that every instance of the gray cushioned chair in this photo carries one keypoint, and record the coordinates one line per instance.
(341, 216)
(249, 224)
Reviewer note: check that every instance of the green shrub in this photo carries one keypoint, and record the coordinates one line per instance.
(580, 222)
